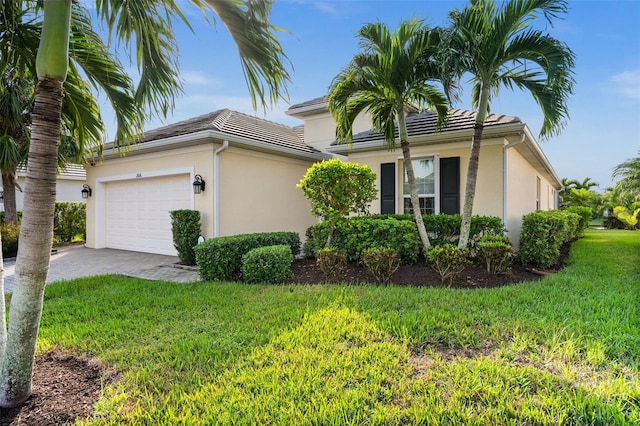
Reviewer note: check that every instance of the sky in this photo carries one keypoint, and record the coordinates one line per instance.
(604, 125)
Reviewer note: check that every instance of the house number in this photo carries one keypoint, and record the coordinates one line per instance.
(138, 175)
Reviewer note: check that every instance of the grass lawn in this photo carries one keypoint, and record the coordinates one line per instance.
(565, 350)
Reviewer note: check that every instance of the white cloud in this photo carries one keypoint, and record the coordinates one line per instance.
(197, 77)
(627, 83)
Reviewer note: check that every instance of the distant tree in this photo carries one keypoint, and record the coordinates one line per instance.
(498, 48)
(392, 75)
(629, 172)
(337, 189)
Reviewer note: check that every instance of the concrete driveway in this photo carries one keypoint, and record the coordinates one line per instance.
(76, 261)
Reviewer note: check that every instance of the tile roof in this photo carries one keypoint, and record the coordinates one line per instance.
(236, 124)
(424, 123)
(312, 102)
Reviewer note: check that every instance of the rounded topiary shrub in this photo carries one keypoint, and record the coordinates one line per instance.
(269, 264)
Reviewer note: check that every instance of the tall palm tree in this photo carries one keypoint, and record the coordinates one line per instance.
(629, 172)
(498, 48)
(149, 24)
(393, 74)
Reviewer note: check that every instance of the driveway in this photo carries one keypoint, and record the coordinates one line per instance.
(77, 261)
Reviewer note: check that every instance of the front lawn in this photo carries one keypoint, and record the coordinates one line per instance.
(563, 350)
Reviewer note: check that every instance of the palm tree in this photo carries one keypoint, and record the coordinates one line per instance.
(16, 97)
(149, 24)
(629, 172)
(498, 48)
(393, 74)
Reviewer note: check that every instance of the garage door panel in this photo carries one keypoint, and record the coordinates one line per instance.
(138, 216)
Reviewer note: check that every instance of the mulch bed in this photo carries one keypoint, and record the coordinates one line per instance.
(66, 387)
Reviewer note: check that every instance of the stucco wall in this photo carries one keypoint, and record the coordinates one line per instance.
(257, 190)
(488, 199)
(522, 192)
(319, 130)
(67, 189)
(258, 193)
(193, 160)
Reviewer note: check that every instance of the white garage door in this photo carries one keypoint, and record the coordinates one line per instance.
(138, 212)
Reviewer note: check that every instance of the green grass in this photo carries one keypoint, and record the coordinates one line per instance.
(565, 350)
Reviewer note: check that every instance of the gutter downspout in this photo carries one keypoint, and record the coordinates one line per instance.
(504, 178)
(216, 188)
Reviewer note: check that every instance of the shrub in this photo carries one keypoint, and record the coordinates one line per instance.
(9, 234)
(448, 261)
(585, 214)
(381, 263)
(69, 221)
(269, 264)
(398, 232)
(221, 258)
(337, 189)
(543, 233)
(331, 262)
(495, 250)
(185, 227)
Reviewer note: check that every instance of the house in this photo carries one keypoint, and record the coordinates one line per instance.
(68, 185)
(246, 168)
(249, 168)
(514, 176)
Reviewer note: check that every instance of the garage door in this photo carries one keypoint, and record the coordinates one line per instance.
(138, 212)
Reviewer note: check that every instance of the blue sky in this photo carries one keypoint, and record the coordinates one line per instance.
(604, 128)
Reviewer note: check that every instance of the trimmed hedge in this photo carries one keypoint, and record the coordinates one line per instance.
(543, 233)
(9, 233)
(585, 213)
(269, 264)
(220, 258)
(397, 232)
(185, 228)
(69, 221)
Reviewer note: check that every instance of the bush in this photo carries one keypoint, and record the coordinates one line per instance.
(221, 258)
(185, 227)
(331, 262)
(585, 213)
(381, 263)
(398, 232)
(543, 233)
(337, 189)
(495, 250)
(69, 221)
(9, 234)
(269, 264)
(448, 261)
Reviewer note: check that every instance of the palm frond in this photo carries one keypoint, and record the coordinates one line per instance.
(263, 60)
(105, 73)
(150, 25)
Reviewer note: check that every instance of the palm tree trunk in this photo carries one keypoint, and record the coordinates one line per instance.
(411, 178)
(9, 197)
(472, 169)
(36, 237)
(36, 232)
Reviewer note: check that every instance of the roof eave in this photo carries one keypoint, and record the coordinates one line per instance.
(432, 138)
(205, 136)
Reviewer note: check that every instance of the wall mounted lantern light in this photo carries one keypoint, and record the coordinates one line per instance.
(86, 191)
(198, 184)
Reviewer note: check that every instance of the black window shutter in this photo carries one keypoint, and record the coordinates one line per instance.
(387, 188)
(450, 185)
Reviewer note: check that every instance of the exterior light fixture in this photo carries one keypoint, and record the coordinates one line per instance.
(86, 191)
(198, 184)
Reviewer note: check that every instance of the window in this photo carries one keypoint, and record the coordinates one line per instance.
(424, 170)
